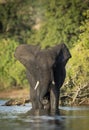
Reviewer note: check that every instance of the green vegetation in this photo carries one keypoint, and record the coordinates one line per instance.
(10, 69)
(46, 22)
(78, 66)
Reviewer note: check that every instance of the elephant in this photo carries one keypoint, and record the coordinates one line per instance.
(45, 72)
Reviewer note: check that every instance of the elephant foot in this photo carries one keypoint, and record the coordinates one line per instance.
(38, 112)
(34, 112)
(54, 112)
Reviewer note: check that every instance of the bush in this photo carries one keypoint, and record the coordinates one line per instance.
(11, 71)
(78, 66)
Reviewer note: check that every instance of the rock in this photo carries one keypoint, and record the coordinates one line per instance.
(18, 102)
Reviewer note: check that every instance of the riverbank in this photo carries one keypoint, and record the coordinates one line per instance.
(14, 93)
(22, 95)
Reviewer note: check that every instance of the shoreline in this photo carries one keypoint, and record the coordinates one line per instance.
(15, 93)
(23, 95)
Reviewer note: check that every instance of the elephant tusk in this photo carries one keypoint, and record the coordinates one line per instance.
(53, 82)
(36, 85)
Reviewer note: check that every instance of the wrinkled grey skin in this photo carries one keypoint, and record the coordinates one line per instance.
(47, 67)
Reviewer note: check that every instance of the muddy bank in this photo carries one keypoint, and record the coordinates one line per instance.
(14, 93)
(21, 96)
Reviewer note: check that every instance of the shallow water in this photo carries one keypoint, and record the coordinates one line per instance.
(15, 118)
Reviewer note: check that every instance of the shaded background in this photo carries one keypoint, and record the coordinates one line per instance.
(47, 23)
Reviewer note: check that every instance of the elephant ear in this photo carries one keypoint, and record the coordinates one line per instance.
(59, 54)
(54, 54)
(63, 55)
(26, 54)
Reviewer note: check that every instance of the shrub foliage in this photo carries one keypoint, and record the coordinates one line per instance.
(46, 23)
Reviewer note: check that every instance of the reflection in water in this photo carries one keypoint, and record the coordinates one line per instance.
(17, 118)
(46, 123)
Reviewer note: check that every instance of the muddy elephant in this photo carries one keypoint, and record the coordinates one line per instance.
(45, 72)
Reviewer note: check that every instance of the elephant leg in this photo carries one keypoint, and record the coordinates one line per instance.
(38, 98)
(34, 91)
(54, 99)
(33, 98)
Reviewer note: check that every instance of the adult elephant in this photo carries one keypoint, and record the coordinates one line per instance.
(45, 72)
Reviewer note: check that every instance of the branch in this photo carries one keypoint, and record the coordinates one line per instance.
(76, 94)
(84, 95)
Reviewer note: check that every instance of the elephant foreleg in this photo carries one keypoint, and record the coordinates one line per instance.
(54, 100)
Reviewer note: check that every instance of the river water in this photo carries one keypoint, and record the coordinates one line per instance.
(16, 118)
